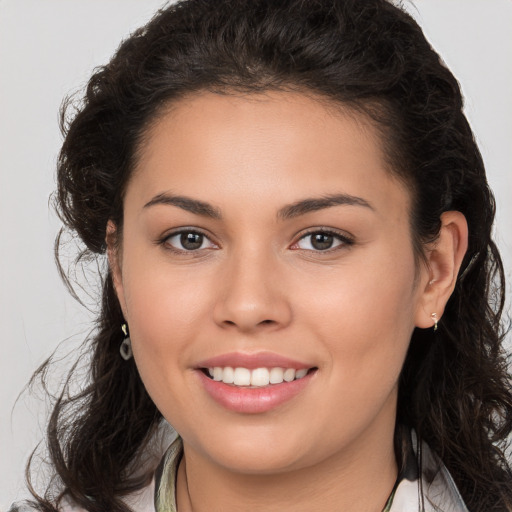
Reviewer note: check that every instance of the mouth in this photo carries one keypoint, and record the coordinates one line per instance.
(255, 383)
(257, 377)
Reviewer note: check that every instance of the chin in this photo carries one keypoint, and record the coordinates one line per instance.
(254, 450)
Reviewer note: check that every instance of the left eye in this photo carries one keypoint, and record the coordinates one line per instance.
(321, 241)
(189, 241)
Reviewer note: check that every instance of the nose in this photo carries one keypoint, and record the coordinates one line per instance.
(252, 295)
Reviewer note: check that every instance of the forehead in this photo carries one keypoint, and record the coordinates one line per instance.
(276, 145)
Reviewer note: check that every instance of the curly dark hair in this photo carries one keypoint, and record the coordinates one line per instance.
(368, 55)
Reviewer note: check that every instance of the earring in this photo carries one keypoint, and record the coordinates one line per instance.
(126, 346)
(434, 317)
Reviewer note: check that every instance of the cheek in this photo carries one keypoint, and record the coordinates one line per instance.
(161, 312)
(164, 327)
(164, 303)
(365, 317)
(166, 313)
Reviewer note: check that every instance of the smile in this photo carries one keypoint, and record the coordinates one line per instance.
(257, 377)
(254, 383)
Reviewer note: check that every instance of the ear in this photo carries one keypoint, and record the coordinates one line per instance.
(114, 261)
(444, 259)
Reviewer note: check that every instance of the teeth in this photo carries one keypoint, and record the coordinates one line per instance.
(242, 377)
(217, 373)
(289, 374)
(301, 373)
(258, 377)
(228, 375)
(276, 375)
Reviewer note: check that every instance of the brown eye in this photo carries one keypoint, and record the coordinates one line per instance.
(322, 241)
(189, 241)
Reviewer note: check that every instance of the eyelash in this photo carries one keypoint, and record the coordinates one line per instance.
(165, 241)
(344, 239)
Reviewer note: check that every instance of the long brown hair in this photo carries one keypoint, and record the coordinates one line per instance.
(369, 55)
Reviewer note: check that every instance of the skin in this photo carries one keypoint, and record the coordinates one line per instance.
(257, 284)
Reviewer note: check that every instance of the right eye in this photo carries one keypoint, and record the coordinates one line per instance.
(189, 241)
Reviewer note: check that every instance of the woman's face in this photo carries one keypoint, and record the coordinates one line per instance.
(265, 232)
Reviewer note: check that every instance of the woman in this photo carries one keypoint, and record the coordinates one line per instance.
(301, 276)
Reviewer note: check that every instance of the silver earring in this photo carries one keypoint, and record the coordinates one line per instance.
(434, 317)
(126, 346)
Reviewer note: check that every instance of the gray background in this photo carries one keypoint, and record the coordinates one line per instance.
(48, 49)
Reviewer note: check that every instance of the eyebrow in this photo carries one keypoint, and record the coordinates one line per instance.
(186, 203)
(314, 204)
(290, 211)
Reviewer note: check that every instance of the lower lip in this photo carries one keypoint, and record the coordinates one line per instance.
(253, 400)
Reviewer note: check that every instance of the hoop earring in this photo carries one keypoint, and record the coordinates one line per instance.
(434, 317)
(126, 346)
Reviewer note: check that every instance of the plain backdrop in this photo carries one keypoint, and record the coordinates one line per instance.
(48, 49)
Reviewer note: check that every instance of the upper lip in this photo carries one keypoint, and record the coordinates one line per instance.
(252, 361)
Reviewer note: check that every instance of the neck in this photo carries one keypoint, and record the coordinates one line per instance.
(359, 479)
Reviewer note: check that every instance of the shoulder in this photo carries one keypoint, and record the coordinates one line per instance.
(439, 487)
(425, 483)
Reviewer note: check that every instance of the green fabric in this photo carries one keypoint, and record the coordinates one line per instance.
(165, 485)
